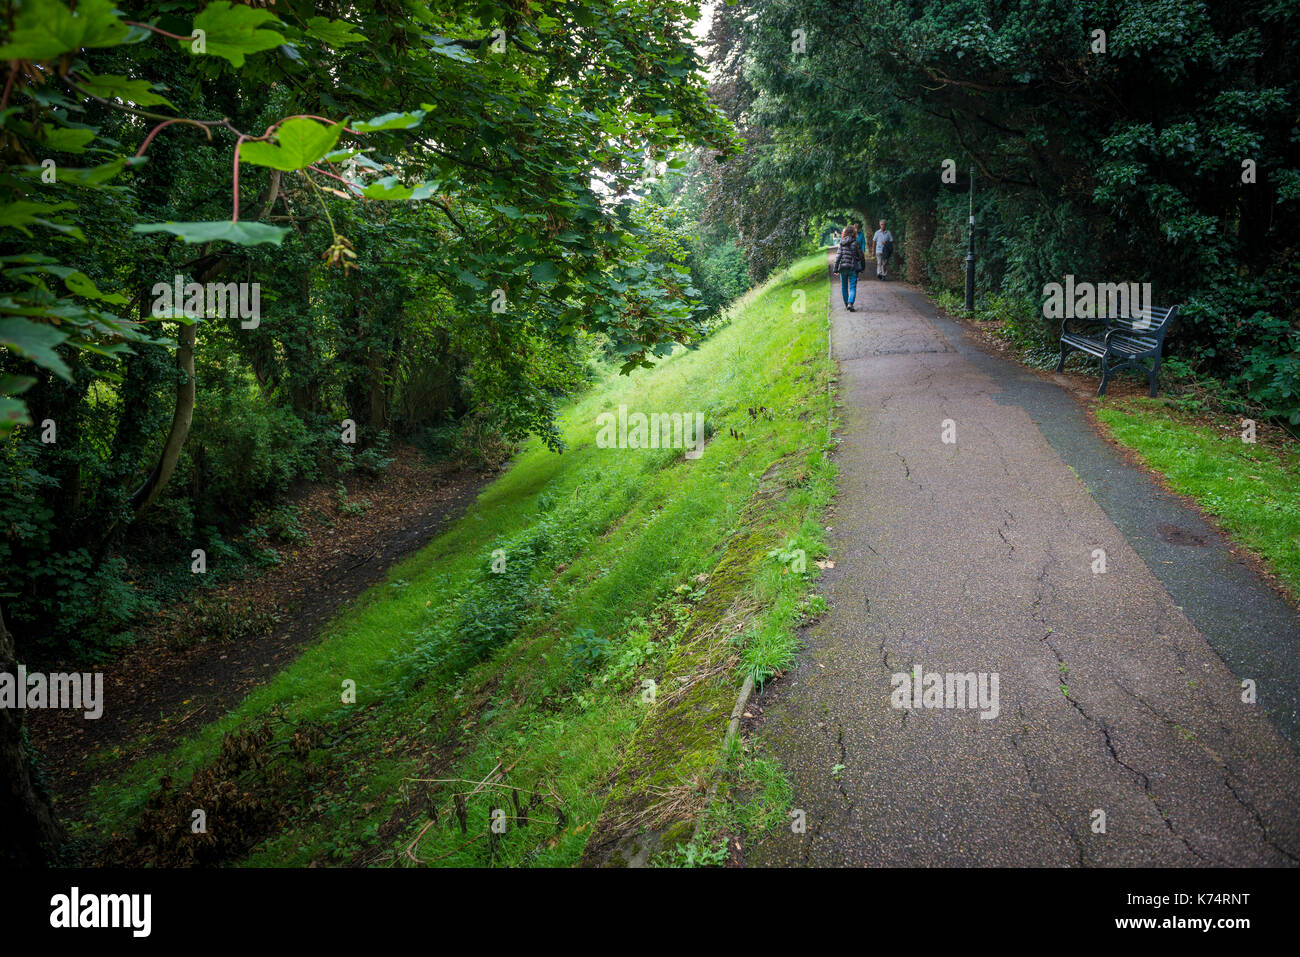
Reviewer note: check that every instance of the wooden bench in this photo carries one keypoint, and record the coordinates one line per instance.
(1130, 340)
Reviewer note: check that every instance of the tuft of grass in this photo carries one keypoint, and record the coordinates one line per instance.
(1253, 490)
(757, 798)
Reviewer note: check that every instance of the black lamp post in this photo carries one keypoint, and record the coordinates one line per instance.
(970, 248)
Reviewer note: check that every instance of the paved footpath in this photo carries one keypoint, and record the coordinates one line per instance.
(1118, 692)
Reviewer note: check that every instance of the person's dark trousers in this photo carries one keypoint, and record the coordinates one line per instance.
(849, 286)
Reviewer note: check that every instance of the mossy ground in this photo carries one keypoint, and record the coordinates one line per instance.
(516, 699)
(665, 777)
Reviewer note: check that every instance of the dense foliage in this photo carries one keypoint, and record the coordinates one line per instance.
(1163, 149)
(436, 202)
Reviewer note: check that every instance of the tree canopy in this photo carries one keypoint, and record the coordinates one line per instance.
(1152, 141)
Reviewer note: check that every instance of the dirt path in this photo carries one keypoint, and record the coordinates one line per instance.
(977, 556)
(158, 693)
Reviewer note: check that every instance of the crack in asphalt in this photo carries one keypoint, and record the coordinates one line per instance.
(1146, 704)
(1145, 782)
(1256, 816)
(884, 653)
(1139, 777)
(907, 469)
(808, 844)
(844, 760)
(1063, 670)
(1071, 834)
(1006, 522)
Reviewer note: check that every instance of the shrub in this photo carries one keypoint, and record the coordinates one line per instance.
(83, 608)
(586, 650)
(243, 450)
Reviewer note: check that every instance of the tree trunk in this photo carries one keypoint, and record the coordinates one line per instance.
(379, 389)
(300, 355)
(30, 835)
(162, 472)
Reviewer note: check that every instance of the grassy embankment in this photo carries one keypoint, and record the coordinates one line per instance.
(503, 672)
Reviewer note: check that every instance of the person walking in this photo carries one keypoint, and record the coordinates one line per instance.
(849, 261)
(884, 241)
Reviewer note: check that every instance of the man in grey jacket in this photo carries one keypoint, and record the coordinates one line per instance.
(884, 241)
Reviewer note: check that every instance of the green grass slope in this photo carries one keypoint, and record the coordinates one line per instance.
(506, 675)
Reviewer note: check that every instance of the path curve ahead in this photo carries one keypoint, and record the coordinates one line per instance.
(977, 556)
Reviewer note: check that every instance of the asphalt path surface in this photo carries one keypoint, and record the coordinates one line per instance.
(1119, 735)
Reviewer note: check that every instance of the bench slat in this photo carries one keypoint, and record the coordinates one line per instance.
(1151, 323)
(1093, 346)
(1132, 344)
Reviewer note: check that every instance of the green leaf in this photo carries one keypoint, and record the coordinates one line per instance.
(390, 188)
(139, 92)
(361, 159)
(241, 233)
(45, 29)
(390, 121)
(15, 384)
(470, 279)
(63, 140)
(545, 271)
(68, 229)
(334, 32)
(91, 176)
(301, 143)
(13, 412)
(23, 212)
(357, 156)
(36, 341)
(232, 31)
(76, 281)
(83, 285)
(449, 49)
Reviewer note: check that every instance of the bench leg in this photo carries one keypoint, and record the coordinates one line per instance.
(1065, 351)
(1105, 377)
(1155, 368)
